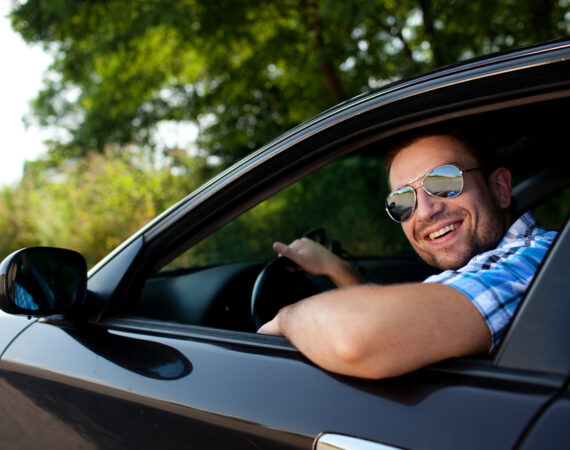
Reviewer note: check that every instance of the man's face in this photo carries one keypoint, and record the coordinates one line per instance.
(447, 233)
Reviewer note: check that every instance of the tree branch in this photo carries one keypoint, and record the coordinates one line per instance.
(429, 30)
(328, 68)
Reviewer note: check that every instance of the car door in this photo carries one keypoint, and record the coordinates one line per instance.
(11, 327)
(129, 382)
(550, 430)
(132, 383)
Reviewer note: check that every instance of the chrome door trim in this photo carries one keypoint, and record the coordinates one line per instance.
(334, 441)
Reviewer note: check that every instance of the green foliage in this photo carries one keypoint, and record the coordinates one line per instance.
(94, 203)
(247, 71)
(346, 198)
(17, 231)
(555, 211)
(243, 72)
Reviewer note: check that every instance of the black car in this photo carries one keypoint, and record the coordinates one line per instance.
(156, 347)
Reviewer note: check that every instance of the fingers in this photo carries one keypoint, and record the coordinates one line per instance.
(307, 254)
(315, 259)
(271, 327)
(297, 251)
(281, 248)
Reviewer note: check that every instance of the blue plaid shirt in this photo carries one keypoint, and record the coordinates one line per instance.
(495, 281)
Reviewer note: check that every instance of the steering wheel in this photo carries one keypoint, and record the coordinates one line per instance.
(279, 284)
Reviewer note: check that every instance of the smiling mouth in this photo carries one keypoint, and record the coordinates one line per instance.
(443, 231)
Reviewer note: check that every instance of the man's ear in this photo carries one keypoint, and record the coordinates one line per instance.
(500, 186)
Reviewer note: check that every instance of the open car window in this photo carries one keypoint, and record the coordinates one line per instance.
(211, 284)
(345, 200)
(341, 205)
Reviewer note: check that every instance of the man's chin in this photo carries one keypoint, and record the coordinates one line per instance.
(447, 262)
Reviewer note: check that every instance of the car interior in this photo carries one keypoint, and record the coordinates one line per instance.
(233, 280)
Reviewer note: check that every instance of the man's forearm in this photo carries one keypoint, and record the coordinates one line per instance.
(344, 275)
(383, 331)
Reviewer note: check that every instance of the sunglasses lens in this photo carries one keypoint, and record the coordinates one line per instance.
(444, 182)
(400, 203)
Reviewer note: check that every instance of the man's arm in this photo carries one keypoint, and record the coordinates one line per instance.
(383, 331)
(316, 259)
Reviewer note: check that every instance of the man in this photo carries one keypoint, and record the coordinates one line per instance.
(487, 258)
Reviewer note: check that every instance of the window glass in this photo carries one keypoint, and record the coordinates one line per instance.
(345, 198)
(553, 212)
(212, 283)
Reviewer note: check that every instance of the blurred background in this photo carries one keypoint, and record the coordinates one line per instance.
(130, 105)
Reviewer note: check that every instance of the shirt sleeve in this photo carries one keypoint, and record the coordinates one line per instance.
(495, 281)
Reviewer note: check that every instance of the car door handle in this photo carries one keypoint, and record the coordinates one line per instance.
(333, 441)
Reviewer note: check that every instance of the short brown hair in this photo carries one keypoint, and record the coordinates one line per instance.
(474, 145)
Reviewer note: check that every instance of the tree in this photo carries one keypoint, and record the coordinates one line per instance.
(245, 71)
(241, 71)
(93, 203)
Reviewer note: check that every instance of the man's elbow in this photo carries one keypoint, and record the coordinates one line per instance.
(355, 358)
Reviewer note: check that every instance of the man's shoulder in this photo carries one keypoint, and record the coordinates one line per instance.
(526, 232)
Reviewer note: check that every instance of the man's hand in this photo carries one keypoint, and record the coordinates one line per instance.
(317, 260)
(271, 327)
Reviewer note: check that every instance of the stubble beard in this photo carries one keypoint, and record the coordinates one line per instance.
(487, 236)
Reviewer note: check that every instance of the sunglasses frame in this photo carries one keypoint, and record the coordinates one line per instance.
(423, 177)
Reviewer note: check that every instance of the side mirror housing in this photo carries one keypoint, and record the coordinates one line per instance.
(41, 281)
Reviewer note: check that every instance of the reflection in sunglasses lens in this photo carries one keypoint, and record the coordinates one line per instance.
(444, 182)
(401, 202)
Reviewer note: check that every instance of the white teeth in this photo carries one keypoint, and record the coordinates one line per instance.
(442, 231)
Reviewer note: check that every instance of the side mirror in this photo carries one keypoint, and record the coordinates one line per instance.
(41, 281)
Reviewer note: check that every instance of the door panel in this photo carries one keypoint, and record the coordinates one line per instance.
(118, 388)
(10, 327)
(551, 430)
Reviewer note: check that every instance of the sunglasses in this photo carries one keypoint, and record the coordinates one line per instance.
(441, 182)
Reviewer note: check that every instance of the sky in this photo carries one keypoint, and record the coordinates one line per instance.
(23, 67)
(20, 80)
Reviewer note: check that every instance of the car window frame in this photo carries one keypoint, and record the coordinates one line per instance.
(537, 339)
(309, 147)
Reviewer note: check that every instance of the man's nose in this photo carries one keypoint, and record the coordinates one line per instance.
(427, 206)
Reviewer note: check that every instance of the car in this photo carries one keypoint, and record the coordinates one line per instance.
(156, 345)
